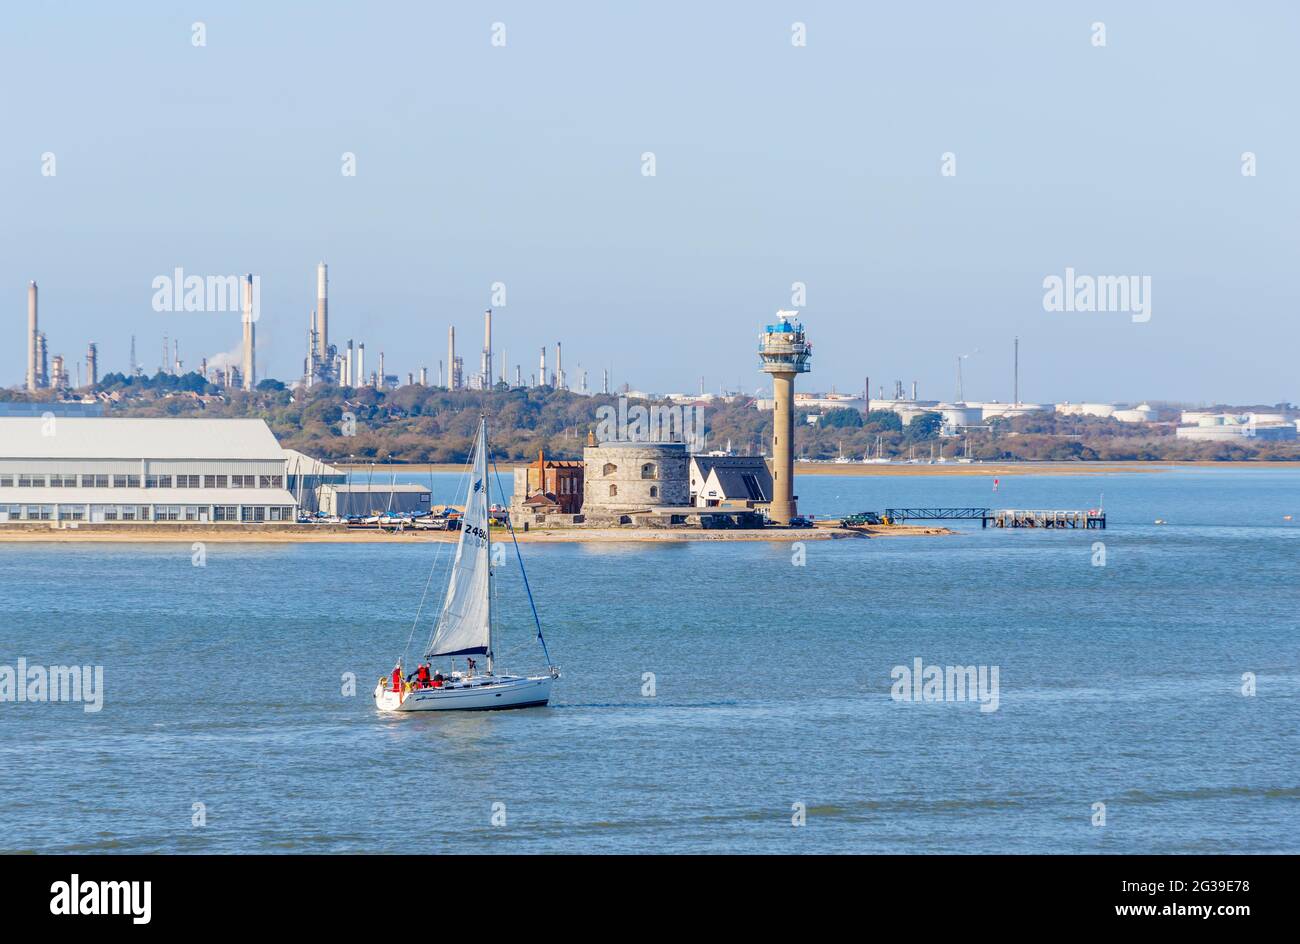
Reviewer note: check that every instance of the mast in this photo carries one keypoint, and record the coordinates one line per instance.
(487, 531)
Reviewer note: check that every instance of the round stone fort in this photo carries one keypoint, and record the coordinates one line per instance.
(621, 476)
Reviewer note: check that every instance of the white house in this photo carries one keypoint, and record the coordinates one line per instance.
(715, 480)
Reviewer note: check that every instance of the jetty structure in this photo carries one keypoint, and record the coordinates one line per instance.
(784, 352)
(1090, 519)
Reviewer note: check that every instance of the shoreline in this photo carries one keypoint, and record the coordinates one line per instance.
(544, 536)
(902, 468)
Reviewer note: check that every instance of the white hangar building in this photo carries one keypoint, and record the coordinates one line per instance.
(109, 469)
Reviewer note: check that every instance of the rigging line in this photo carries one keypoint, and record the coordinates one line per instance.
(524, 573)
(461, 487)
(420, 609)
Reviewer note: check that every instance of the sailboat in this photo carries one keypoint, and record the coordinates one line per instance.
(879, 458)
(464, 626)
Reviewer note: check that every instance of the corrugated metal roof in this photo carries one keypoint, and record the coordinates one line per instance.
(110, 437)
(302, 464)
(145, 496)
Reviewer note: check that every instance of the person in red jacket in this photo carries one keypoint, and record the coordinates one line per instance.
(422, 676)
(397, 678)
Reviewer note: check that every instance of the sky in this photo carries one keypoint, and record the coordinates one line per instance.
(774, 163)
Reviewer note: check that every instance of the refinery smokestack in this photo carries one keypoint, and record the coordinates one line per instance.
(451, 357)
(541, 370)
(31, 337)
(250, 340)
(322, 313)
(350, 379)
(487, 349)
(1015, 383)
(559, 367)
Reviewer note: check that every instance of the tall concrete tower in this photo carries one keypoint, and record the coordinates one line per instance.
(249, 368)
(32, 377)
(451, 357)
(487, 349)
(784, 352)
(92, 365)
(322, 314)
(559, 366)
(541, 370)
(359, 368)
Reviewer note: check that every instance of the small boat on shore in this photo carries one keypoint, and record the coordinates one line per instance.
(464, 626)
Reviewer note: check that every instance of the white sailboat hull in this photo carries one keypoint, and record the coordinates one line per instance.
(480, 694)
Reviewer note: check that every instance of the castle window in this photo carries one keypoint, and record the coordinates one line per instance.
(613, 491)
(648, 471)
(609, 469)
(654, 491)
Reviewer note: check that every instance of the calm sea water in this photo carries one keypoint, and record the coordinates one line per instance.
(1118, 685)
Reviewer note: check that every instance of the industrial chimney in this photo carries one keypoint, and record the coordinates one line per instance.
(322, 314)
(451, 357)
(487, 349)
(559, 367)
(250, 340)
(92, 364)
(32, 378)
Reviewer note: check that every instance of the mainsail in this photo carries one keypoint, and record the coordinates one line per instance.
(463, 625)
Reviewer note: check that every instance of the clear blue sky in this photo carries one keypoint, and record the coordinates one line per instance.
(775, 164)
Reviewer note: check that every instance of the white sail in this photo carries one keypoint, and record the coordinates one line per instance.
(463, 624)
